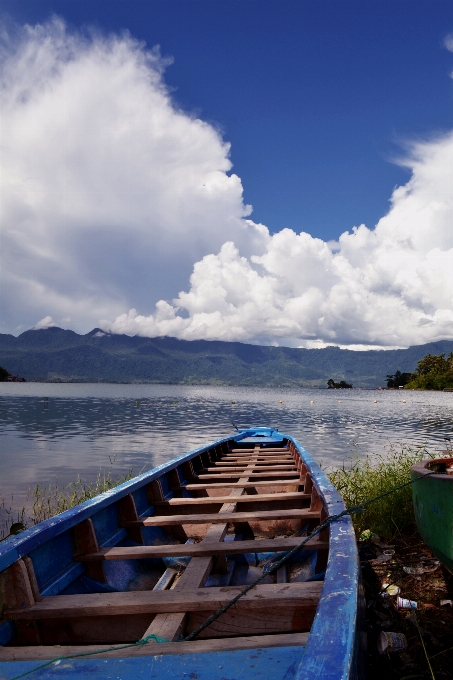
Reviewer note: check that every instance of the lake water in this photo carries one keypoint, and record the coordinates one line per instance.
(55, 432)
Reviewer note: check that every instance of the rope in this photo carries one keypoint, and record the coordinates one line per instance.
(348, 511)
(143, 641)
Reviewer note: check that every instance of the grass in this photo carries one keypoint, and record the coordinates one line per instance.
(368, 477)
(44, 502)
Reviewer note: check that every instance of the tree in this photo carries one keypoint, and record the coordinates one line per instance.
(399, 379)
(341, 385)
(3, 374)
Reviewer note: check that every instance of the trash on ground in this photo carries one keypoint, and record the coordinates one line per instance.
(392, 643)
(402, 603)
(445, 603)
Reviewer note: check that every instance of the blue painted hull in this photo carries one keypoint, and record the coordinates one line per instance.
(331, 648)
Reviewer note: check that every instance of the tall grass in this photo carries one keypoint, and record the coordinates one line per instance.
(369, 477)
(43, 502)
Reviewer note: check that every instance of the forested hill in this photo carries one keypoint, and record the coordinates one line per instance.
(57, 354)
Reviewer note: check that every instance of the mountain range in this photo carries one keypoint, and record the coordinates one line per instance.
(56, 354)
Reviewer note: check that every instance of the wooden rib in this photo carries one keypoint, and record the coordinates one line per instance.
(233, 517)
(267, 449)
(262, 497)
(168, 625)
(202, 549)
(264, 597)
(195, 647)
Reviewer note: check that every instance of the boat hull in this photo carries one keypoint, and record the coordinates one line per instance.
(433, 507)
(332, 647)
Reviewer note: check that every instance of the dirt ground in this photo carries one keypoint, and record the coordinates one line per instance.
(428, 629)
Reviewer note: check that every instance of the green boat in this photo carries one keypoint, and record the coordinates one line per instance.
(433, 506)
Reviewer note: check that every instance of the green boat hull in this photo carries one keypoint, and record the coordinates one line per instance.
(433, 506)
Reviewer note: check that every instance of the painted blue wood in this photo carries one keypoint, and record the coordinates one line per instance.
(6, 632)
(22, 544)
(278, 663)
(64, 580)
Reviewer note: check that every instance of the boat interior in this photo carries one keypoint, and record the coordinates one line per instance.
(160, 559)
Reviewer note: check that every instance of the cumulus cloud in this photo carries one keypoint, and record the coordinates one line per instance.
(110, 193)
(46, 322)
(448, 42)
(388, 286)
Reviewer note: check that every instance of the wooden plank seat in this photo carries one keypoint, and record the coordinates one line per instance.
(253, 475)
(45, 652)
(220, 468)
(267, 597)
(231, 517)
(202, 549)
(256, 498)
(239, 485)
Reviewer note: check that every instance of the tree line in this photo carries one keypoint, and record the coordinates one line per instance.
(433, 372)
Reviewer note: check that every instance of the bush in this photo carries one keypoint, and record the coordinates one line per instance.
(367, 478)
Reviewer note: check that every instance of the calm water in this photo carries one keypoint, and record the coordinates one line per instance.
(53, 432)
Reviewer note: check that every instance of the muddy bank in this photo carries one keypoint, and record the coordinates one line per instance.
(407, 564)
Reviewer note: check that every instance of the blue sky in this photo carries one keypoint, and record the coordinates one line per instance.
(315, 96)
(122, 209)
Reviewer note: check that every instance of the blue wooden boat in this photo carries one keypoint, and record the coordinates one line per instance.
(160, 553)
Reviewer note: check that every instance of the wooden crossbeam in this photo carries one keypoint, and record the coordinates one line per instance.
(232, 517)
(239, 485)
(256, 498)
(266, 597)
(254, 475)
(203, 549)
(222, 467)
(267, 449)
(44, 652)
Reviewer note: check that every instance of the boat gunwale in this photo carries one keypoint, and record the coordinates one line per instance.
(422, 468)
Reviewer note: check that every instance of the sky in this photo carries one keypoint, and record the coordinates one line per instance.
(275, 172)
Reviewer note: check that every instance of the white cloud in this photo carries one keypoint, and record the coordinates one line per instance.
(448, 42)
(391, 286)
(112, 193)
(46, 322)
(109, 192)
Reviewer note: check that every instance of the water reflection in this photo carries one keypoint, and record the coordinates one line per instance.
(54, 432)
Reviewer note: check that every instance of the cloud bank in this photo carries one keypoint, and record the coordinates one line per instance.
(113, 193)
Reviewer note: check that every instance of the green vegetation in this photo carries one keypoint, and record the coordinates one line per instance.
(44, 502)
(61, 355)
(367, 478)
(399, 379)
(434, 372)
(331, 384)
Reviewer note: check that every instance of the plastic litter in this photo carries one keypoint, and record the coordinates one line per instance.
(391, 643)
(413, 570)
(402, 603)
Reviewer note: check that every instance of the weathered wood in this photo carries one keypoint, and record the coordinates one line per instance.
(255, 475)
(282, 576)
(23, 591)
(205, 500)
(32, 578)
(263, 597)
(171, 626)
(223, 468)
(128, 513)
(166, 579)
(203, 549)
(244, 485)
(43, 653)
(231, 517)
(87, 543)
